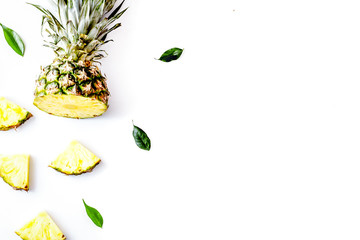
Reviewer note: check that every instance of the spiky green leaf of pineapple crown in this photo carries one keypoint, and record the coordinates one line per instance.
(80, 27)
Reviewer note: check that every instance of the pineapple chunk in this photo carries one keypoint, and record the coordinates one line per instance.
(14, 169)
(70, 106)
(41, 228)
(75, 160)
(11, 115)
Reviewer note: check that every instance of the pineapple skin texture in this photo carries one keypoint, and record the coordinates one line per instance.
(41, 227)
(77, 78)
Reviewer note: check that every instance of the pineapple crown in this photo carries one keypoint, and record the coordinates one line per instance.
(80, 27)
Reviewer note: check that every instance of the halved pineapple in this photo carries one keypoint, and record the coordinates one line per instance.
(11, 115)
(75, 160)
(73, 85)
(41, 227)
(14, 169)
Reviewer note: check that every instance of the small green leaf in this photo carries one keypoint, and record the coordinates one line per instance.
(94, 215)
(171, 54)
(14, 40)
(141, 138)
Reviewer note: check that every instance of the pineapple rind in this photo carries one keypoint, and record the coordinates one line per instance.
(89, 169)
(41, 227)
(11, 115)
(20, 122)
(14, 170)
(75, 160)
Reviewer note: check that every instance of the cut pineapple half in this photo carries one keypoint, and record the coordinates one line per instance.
(41, 228)
(75, 160)
(70, 106)
(14, 169)
(11, 115)
(73, 85)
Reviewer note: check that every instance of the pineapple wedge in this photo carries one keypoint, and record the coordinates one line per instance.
(14, 169)
(11, 115)
(41, 228)
(75, 160)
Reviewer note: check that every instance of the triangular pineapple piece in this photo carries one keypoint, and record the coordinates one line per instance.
(75, 160)
(14, 169)
(11, 115)
(41, 228)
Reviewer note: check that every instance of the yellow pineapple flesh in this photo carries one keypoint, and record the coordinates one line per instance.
(11, 115)
(41, 227)
(14, 169)
(70, 106)
(75, 160)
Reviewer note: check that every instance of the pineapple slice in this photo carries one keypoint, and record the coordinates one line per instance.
(14, 169)
(11, 115)
(75, 160)
(41, 228)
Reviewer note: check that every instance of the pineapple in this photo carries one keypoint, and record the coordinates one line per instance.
(73, 85)
(41, 228)
(11, 115)
(14, 169)
(75, 160)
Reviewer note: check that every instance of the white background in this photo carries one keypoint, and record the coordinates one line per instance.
(255, 130)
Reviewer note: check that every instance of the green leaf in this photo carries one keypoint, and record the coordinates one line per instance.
(94, 215)
(171, 54)
(141, 138)
(14, 40)
(116, 10)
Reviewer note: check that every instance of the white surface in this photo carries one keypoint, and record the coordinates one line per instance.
(255, 130)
